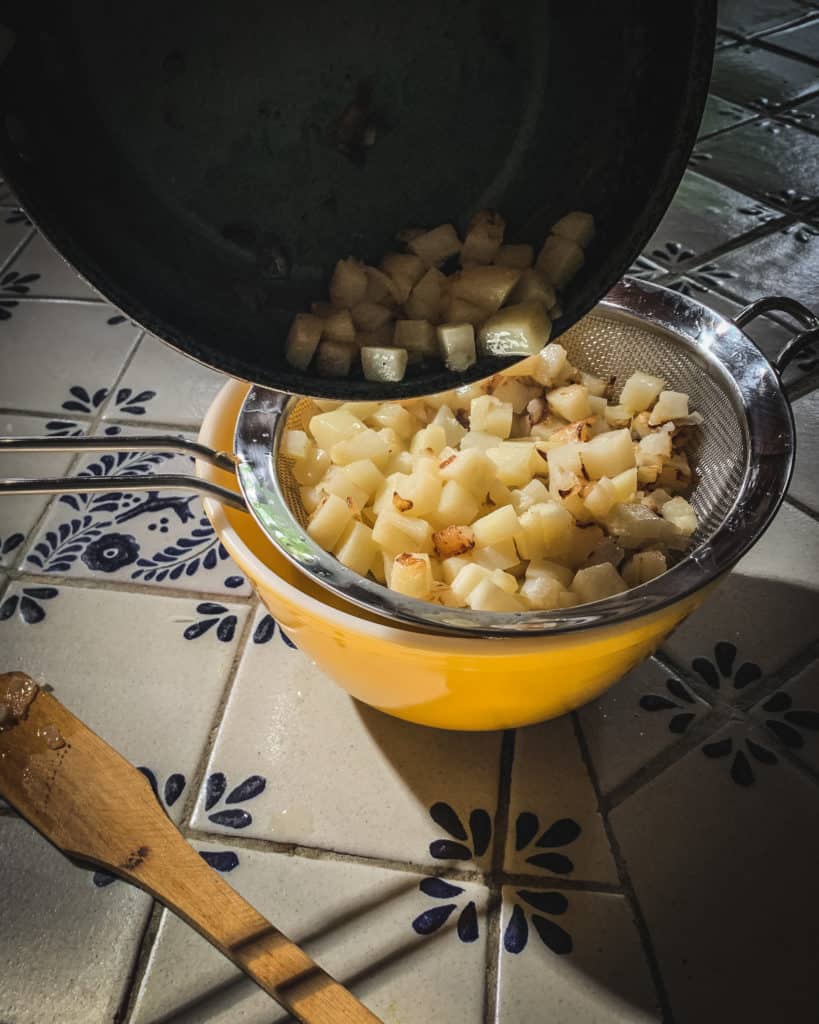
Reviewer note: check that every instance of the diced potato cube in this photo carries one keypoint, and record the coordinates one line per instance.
(676, 474)
(600, 498)
(450, 567)
(466, 580)
(497, 556)
(453, 541)
(640, 391)
(380, 288)
(429, 439)
(471, 468)
(310, 470)
(545, 531)
(608, 454)
(361, 410)
(369, 316)
(518, 256)
(333, 359)
(618, 416)
(559, 260)
(348, 283)
(644, 566)
(322, 309)
(302, 339)
(393, 483)
(418, 337)
(532, 286)
(339, 326)
(583, 539)
(296, 445)
(595, 385)
(483, 237)
(456, 343)
(490, 416)
(369, 444)
(337, 482)
(462, 311)
(457, 505)
(329, 521)
(365, 474)
(498, 526)
(597, 582)
(356, 549)
(569, 599)
(478, 439)
(516, 392)
(411, 575)
(400, 462)
(405, 270)
(679, 512)
(489, 597)
(382, 337)
(514, 463)
(635, 526)
(671, 405)
(506, 581)
(656, 444)
(377, 568)
(485, 287)
(534, 492)
(394, 416)
(565, 468)
(520, 330)
(550, 366)
(541, 593)
(453, 430)
(424, 302)
(423, 490)
(310, 497)
(498, 494)
(552, 570)
(384, 364)
(577, 227)
(625, 485)
(396, 533)
(436, 246)
(571, 402)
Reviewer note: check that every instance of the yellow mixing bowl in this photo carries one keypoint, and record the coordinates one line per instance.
(448, 682)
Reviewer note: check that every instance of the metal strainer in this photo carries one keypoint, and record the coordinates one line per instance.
(742, 460)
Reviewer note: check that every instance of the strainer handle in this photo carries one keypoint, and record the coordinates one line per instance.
(143, 482)
(806, 318)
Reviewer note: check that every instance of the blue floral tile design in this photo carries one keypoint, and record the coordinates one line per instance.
(30, 604)
(722, 670)
(461, 846)
(214, 615)
(13, 285)
(230, 815)
(678, 704)
(741, 755)
(546, 851)
(267, 628)
(429, 921)
(539, 909)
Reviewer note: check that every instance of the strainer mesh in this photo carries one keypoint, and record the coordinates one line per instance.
(610, 347)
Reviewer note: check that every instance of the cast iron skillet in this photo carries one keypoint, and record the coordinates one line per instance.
(203, 164)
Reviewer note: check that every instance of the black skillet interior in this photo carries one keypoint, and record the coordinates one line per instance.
(201, 164)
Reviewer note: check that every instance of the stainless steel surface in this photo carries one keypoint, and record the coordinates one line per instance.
(134, 443)
(744, 460)
(805, 317)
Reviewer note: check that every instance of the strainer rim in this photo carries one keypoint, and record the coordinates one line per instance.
(768, 465)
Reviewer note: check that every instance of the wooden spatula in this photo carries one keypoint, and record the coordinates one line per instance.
(92, 804)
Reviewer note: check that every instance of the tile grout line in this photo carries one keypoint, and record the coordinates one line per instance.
(494, 909)
(800, 506)
(629, 892)
(123, 586)
(139, 965)
(17, 249)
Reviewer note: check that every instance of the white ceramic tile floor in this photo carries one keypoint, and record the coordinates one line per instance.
(14, 229)
(67, 947)
(160, 537)
(554, 826)
(19, 513)
(181, 390)
(791, 716)
(55, 278)
(288, 724)
(638, 719)
(121, 663)
(48, 348)
(356, 920)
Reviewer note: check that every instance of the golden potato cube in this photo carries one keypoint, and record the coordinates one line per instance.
(424, 302)
(302, 339)
(384, 364)
(512, 390)
(595, 385)
(334, 359)
(608, 454)
(384, 495)
(462, 311)
(679, 512)
(671, 405)
(644, 566)
(329, 521)
(394, 416)
(308, 472)
(640, 391)
(423, 489)
(348, 283)
(571, 402)
(534, 492)
(454, 431)
(532, 286)
(600, 498)
(337, 482)
(356, 548)
(490, 416)
(450, 567)
(412, 575)
(296, 445)
(339, 326)
(556, 526)
(514, 463)
(369, 444)
(478, 439)
(429, 439)
(380, 288)
(466, 579)
(597, 582)
(552, 570)
(541, 593)
(471, 468)
(625, 485)
(565, 467)
(576, 227)
(436, 246)
(559, 260)
(617, 416)
(310, 497)
(418, 337)
(489, 597)
(498, 526)
(365, 474)
(485, 287)
(657, 444)
(456, 344)
(550, 366)
(395, 533)
(497, 556)
(498, 494)
(520, 330)
(483, 238)
(405, 270)
(518, 256)
(369, 316)
(457, 505)
(453, 541)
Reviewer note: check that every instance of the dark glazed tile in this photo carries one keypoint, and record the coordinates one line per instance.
(804, 115)
(805, 484)
(704, 215)
(722, 849)
(802, 40)
(777, 162)
(747, 17)
(720, 114)
(761, 79)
